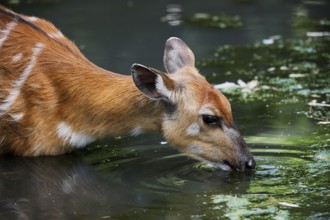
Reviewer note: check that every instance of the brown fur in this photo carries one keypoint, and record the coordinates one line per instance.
(48, 93)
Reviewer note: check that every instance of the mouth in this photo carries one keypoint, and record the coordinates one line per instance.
(226, 166)
(223, 166)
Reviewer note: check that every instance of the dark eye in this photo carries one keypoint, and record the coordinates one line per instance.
(211, 119)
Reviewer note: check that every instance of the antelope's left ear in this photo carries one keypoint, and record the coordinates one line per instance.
(151, 82)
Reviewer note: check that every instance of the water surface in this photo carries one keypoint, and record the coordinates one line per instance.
(277, 45)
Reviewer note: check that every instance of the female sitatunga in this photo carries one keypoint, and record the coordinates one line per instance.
(52, 99)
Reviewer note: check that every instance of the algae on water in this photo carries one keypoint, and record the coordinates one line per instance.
(221, 21)
(286, 71)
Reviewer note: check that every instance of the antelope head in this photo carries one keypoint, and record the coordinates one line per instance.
(197, 118)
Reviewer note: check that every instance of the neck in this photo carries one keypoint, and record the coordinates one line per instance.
(102, 103)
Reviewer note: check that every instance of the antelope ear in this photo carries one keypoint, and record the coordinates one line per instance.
(151, 82)
(177, 55)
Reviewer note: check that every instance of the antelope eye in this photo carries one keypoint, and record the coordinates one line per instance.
(211, 119)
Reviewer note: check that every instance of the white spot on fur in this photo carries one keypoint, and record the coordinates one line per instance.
(18, 84)
(195, 149)
(193, 129)
(76, 139)
(32, 18)
(35, 85)
(17, 57)
(17, 117)
(136, 131)
(6, 32)
(56, 35)
(161, 88)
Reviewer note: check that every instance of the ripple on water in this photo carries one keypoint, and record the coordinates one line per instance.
(278, 170)
(163, 170)
(158, 172)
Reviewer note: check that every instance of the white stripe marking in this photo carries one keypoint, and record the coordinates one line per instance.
(5, 33)
(17, 116)
(18, 84)
(56, 35)
(32, 18)
(76, 139)
(17, 57)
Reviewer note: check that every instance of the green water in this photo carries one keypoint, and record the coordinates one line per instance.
(281, 106)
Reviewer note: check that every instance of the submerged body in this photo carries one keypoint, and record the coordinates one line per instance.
(52, 99)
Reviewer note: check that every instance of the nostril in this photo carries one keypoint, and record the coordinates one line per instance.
(251, 164)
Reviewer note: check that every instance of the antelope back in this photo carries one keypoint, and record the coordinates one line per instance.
(30, 51)
(52, 99)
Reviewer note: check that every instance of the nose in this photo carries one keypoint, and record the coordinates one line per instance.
(250, 164)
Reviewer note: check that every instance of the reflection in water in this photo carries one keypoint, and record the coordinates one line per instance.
(65, 186)
(173, 16)
(52, 187)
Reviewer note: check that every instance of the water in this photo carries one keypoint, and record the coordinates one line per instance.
(144, 177)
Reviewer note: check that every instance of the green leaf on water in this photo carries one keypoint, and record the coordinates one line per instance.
(221, 198)
(243, 213)
(221, 21)
(237, 202)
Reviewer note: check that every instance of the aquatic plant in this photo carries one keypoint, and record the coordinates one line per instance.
(286, 71)
(221, 21)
